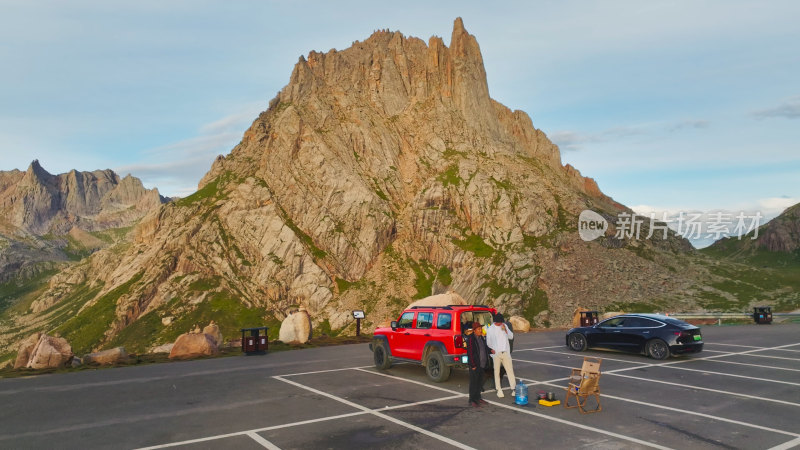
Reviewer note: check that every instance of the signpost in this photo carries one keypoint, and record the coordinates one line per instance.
(358, 315)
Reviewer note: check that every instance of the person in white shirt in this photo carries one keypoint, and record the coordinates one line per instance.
(497, 337)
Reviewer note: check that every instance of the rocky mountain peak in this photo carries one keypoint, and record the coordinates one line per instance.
(781, 234)
(36, 175)
(40, 202)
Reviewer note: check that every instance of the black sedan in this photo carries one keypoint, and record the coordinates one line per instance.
(654, 335)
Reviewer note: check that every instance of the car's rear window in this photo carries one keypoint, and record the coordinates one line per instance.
(444, 321)
(677, 322)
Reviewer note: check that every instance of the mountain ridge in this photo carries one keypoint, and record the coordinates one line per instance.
(42, 215)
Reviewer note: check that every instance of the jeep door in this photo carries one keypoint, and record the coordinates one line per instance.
(400, 340)
(420, 334)
(443, 330)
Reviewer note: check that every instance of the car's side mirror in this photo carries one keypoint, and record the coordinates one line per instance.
(394, 325)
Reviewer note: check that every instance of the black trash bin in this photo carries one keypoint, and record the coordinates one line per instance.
(589, 318)
(255, 343)
(762, 314)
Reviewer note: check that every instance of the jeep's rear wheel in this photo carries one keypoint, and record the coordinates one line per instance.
(381, 356)
(436, 368)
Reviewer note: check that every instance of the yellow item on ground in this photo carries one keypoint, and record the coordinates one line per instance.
(546, 403)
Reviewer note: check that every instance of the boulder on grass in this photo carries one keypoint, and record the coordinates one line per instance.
(25, 349)
(520, 324)
(192, 345)
(296, 328)
(166, 348)
(107, 357)
(49, 352)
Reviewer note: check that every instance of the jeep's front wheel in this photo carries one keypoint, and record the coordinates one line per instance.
(381, 356)
(436, 368)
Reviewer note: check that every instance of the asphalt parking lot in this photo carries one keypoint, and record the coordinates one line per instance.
(740, 392)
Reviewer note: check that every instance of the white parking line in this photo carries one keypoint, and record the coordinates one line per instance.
(732, 375)
(752, 365)
(257, 430)
(554, 419)
(381, 415)
(653, 405)
(299, 423)
(753, 346)
(752, 354)
(671, 364)
(322, 371)
(409, 381)
(685, 386)
(537, 348)
(684, 411)
(787, 445)
(264, 443)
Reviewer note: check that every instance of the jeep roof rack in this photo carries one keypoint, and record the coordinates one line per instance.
(470, 306)
(431, 307)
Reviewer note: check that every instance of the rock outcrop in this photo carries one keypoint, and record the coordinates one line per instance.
(446, 299)
(520, 324)
(107, 357)
(192, 345)
(25, 349)
(163, 348)
(212, 330)
(296, 328)
(41, 351)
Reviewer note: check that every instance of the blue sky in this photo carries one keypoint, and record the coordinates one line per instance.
(680, 105)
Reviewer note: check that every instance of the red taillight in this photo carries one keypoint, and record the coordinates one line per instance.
(677, 333)
(458, 341)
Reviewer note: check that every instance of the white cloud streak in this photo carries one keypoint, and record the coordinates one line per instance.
(574, 140)
(789, 109)
(176, 168)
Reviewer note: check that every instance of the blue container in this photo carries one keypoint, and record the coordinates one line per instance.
(521, 393)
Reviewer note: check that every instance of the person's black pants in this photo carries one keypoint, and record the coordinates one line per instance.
(475, 384)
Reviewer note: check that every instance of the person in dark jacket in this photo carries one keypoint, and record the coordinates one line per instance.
(478, 359)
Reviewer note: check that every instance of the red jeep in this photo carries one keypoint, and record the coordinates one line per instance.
(429, 335)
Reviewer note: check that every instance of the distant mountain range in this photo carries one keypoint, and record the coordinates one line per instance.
(48, 218)
(781, 234)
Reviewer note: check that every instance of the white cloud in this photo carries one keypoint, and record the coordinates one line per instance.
(575, 140)
(776, 205)
(690, 124)
(789, 109)
(176, 168)
(233, 122)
